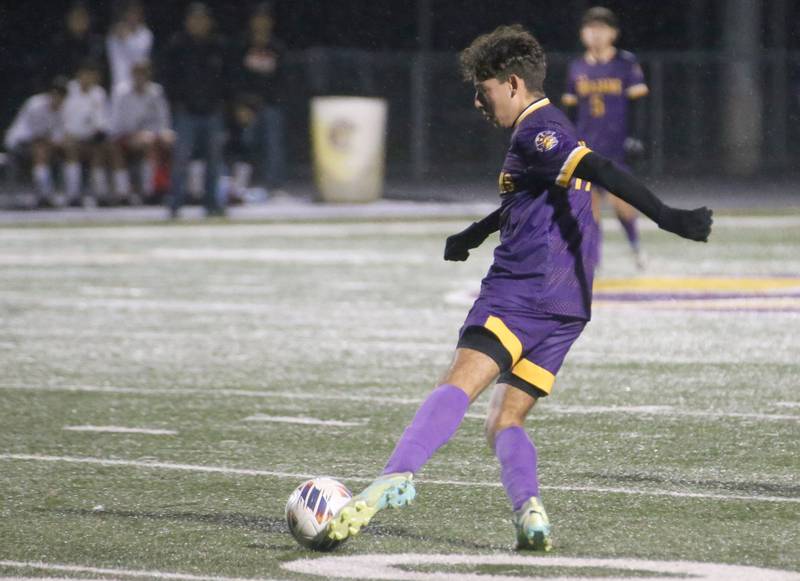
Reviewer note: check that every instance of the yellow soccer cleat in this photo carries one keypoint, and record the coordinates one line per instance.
(533, 527)
(394, 490)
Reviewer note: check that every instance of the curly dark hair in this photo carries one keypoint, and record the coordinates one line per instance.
(505, 51)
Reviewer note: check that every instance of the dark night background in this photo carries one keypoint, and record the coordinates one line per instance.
(369, 47)
(391, 24)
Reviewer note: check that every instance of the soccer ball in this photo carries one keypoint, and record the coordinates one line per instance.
(311, 506)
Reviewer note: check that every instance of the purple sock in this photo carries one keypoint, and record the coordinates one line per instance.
(435, 422)
(631, 231)
(517, 456)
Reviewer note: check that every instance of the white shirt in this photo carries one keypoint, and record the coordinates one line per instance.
(85, 113)
(36, 120)
(132, 111)
(126, 51)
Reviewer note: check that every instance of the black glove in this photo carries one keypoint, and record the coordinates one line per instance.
(692, 224)
(457, 246)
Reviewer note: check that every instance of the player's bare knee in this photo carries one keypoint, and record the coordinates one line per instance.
(497, 421)
(471, 371)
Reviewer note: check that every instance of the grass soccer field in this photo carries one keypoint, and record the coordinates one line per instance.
(165, 387)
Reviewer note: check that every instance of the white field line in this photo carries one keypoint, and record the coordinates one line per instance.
(177, 305)
(154, 465)
(474, 416)
(302, 420)
(73, 304)
(218, 393)
(17, 578)
(656, 410)
(238, 231)
(120, 572)
(544, 410)
(378, 342)
(121, 430)
(323, 230)
(401, 567)
(466, 298)
(264, 255)
(288, 256)
(755, 303)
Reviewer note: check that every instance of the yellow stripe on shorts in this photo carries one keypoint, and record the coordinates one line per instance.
(535, 375)
(507, 338)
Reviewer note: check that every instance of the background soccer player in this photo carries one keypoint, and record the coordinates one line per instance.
(37, 130)
(607, 86)
(86, 118)
(140, 129)
(536, 298)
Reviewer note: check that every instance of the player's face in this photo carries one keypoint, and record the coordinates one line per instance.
(598, 36)
(134, 16)
(78, 21)
(199, 24)
(493, 100)
(88, 77)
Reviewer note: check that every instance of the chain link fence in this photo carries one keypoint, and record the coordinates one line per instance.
(435, 132)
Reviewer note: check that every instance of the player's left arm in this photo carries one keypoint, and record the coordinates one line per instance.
(692, 224)
(457, 246)
(636, 90)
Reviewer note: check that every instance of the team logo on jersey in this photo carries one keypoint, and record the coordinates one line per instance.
(545, 141)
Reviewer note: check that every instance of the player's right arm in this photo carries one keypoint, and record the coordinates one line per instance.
(457, 246)
(569, 99)
(692, 224)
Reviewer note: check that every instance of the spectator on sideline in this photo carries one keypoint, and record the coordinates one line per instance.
(129, 42)
(141, 130)
(257, 72)
(194, 70)
(74, 45)
(37, 131)
(242, 147)
(85, 119)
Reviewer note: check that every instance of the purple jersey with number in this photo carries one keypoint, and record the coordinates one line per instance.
(548, 237)
(601, 91)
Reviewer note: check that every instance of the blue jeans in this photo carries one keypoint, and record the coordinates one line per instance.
(198, 137)
(273, 147)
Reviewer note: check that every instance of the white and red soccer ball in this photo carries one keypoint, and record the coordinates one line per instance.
(311, 506)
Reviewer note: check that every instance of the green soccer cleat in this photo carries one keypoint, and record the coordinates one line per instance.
(533, 526)
(394, 490)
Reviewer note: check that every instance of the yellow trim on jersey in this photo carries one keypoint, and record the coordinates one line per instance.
(535, 375)
(535, 106)
(507, 338)
(637, 91)
(578, 183)
(574, 158)
(569, 99)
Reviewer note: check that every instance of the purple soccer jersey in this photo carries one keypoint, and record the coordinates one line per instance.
(601, 91)
(548, 237)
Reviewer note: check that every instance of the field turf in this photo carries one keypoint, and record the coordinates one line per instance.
(249, 357)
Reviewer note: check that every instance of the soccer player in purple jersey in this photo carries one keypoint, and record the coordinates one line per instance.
(607, 86)
(536, 298)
